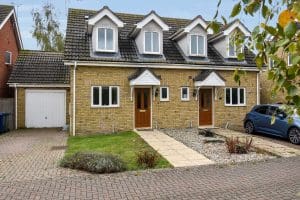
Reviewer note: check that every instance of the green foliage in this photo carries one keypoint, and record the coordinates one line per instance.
(126, 145)
(94, 162)
(275, 42)
(46, 29)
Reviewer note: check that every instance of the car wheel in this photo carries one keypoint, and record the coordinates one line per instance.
(249, 127)
(294, 135)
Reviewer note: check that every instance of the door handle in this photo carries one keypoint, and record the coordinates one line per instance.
(142, 110)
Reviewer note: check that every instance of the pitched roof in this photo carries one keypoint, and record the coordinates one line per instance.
(77, 43)
(4, 11)
(140, 71)
(40, 67)
(205, 73)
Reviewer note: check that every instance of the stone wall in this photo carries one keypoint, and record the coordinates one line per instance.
(171, 114)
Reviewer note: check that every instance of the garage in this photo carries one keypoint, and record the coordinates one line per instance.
(45, 108)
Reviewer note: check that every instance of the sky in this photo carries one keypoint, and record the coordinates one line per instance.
(166, 8)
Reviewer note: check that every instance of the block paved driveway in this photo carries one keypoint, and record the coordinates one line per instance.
(28, 170)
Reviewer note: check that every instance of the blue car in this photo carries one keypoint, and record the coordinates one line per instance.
(259, 120)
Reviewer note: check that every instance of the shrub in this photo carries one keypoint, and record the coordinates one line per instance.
(235, 146)
(93, 162)
(147, 159)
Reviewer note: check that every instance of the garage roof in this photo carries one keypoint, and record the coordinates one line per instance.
(40, 67)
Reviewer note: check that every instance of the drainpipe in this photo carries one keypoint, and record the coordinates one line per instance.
(257, 89)
(74, 98)
(16, 107)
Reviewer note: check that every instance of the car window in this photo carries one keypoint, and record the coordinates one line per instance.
(262, 110)
(272, 110)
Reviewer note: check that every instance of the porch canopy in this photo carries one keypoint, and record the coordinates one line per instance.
(209, 78)
(144, 77)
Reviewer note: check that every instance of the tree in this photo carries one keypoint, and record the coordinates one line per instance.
(274, 42)
(46, 29)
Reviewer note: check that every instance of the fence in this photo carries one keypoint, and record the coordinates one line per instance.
(7, 105)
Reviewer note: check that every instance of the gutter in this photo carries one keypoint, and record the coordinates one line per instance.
(74, 99)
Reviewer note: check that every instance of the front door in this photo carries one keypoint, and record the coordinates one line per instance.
(205, 107)
(142, 108)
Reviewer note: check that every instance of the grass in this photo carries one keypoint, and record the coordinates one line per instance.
(126, 145)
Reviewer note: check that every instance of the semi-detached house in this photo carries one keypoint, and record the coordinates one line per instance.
(125, 71)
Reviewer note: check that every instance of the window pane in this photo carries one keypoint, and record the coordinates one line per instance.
(200, 45)
(145, 98)
(114, 96)
(272, 110)
(101, 38)
(155, 42)
(231, 49)
(105, 96)
(227, 95)
(193, 44)
(7, 57)
(242, 95)
(262, 110)
(96, 96)
(164, 93)
(234, 96)
(109, 39)
(184, 94)
(148, 41)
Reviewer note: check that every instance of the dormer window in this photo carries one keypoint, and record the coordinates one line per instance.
(197, 45)
(105, 39)
(152, 43)
(233, 50)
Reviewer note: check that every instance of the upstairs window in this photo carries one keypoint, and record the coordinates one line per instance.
(105, 40)
(197, 44)
(7, 57)
(233, 50)
(151, 42)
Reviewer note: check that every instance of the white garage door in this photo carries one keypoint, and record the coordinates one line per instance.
(45, 108)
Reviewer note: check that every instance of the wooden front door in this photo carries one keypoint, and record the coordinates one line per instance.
(205, 107)
(142, 108)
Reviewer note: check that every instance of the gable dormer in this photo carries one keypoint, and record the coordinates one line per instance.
(224, 41)
(148, 34)
(192, 39)
(104, 30)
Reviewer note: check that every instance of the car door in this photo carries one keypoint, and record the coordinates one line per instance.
(261, 118)
(279, 127)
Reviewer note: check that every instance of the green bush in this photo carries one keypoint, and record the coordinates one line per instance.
(147, 159)
(93, 162)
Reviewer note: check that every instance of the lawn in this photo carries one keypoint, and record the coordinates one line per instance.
(124, 144)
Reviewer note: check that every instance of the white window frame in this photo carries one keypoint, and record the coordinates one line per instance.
(188, 94)
(105, 39)
(100, 97)
(234, 47)
(204, 45)
(239, 104)
(288, 60)
(160, 93)
(10, 58)
(152, 52)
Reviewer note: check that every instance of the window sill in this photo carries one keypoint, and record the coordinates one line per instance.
(106, 51)
(167, 100)
(117, 106)
(185, 100)
(198, 55)
(152, 53)
(238, 105)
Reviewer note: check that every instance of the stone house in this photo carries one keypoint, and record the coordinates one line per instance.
(126, 71)
(10, 45)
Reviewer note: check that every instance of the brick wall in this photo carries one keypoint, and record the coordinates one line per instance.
(8, 42)
(21, 105)
(172, 114)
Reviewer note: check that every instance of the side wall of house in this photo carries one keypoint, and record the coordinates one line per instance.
(171, 114)
(8, 42)
(22, 102)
